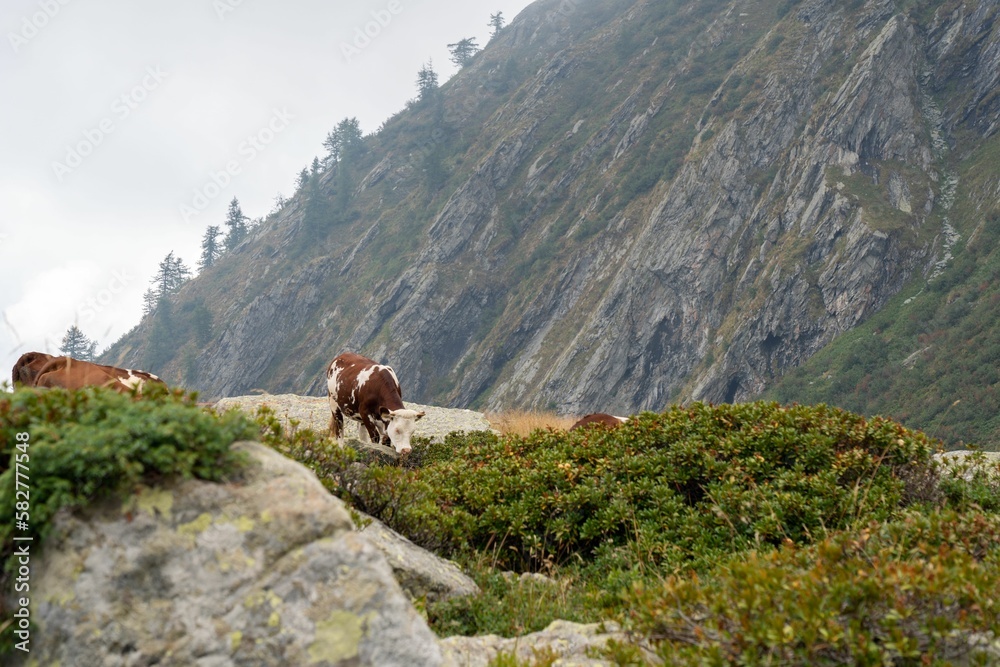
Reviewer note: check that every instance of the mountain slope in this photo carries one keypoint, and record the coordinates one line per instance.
(617, 204)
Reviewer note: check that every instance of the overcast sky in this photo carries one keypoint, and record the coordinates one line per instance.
(126, 127)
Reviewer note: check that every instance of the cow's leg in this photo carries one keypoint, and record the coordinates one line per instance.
(333, 416)
(336, 423)
(367, 431)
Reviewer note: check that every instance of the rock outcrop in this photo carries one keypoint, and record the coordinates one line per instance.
(266, 570)
(420, 573)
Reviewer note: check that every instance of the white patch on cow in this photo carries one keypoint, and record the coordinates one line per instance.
(364, 376)
(621, 419)
(393, 374)
(133, 381)
(402, 423)
(333, 387)
(333, 381)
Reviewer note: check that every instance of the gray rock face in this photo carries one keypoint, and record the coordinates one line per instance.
(967, 463)
(621, 225)
(265, 571)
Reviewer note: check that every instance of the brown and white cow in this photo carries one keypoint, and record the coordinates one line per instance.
(369, 393)
(27, 367)
(37, 369)
(599, 419)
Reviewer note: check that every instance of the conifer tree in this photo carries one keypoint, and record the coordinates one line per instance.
(463, 51)
(343, 141)
(303, 179)
(236, 224)
(497, 23)
(149, 301)
(162, 337)
(211, 247)
(171, 274)
(75, 344)
(427, 81)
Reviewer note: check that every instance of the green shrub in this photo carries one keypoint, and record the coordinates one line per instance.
(511, 606)
(674, 490)
(727, 523)
(81, 444)
(911, 591)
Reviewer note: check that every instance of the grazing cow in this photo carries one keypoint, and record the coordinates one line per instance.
(599, 419)
(369, 393)
(36, 369)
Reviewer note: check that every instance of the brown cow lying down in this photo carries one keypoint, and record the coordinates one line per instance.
(26, 369)
(369, 393)
(599, 419)
(37, 369)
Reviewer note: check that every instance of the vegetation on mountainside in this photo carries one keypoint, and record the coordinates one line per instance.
(931, 357)
(67, 449)
(746, 534)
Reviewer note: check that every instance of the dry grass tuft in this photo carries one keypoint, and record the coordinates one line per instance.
(521, 422)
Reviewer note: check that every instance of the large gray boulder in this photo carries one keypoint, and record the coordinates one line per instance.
(266, 570)
(419, 572)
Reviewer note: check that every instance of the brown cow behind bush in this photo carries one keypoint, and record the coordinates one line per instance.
(37, 369)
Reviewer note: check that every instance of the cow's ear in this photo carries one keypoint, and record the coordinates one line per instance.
(419, 415)
(385, 413)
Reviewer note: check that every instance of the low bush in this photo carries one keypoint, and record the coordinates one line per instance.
(675, 490)
(731, 534)
(512, 605)
(917, 590)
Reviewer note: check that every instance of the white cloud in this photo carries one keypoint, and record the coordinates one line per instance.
(84, 292)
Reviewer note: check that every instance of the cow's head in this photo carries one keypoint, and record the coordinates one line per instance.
(28, 367)
(399, 425)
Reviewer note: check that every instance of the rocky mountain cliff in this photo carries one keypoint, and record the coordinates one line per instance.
(618, 204)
